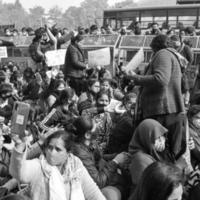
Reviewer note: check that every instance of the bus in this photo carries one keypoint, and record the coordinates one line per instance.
(175, 16)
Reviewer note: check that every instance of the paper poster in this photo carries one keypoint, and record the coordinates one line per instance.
(20, 119)
(113, 104)
(55, 57)
(3, 52)
(135, 61)
(99, 57)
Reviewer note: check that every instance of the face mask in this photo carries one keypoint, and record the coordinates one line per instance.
(55, 158)
(177, 44)
(56, 153)
(196, 122)
(160, 144)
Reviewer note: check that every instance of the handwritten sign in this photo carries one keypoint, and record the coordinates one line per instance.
(135, 61)
(55, 57)
(99, 57)
(3, 52)
(113, 104)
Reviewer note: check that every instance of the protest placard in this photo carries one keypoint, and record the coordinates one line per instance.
(55, 57)
(112, 105)
(99, 57)
(135, 61)
(3, 52)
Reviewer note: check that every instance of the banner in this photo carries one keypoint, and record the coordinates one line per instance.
(55, 57)
(3, 52)
(135, 61)
(99, 57)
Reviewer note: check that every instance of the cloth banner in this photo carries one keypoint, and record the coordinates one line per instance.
(55, 57)
(100, 57)
(135, 61)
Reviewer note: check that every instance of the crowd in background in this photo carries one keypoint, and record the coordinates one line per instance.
(93, 136)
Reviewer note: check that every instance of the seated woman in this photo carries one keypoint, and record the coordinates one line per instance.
(60, 113)
(6, 182)
(146, 146)
(101, 118)
(57, 174)
(58, 88)
(6, 101)
(123, 129)
(115, 93)
(88, 98)
(160, 181)
(107, 175)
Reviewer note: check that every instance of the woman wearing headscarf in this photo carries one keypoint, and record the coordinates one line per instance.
(146, 146)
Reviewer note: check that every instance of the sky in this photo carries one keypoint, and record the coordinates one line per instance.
(47, 4)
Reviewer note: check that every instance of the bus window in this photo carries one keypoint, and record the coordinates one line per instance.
(187, 20)
(118, 24)
(127, 23)
(172, 21)
(113, 23)
(160, 20)
(145, 21)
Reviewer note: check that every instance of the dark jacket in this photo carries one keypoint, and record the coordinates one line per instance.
(31, 91)
(56, 117)
(103, 173)
(121, 134)
(161, 86)
(6, 111)
(74, 62)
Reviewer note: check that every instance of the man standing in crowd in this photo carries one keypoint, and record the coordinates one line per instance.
(75, 65)
(160, 94)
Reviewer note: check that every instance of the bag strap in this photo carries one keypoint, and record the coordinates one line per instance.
(175, 54)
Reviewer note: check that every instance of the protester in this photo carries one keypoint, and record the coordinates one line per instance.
(160, 181)
(60, 113)
(104, 173)
(75, 65)
(57, 173)
(122, 131)
(160, 93)
(101, 117)
(88, 98)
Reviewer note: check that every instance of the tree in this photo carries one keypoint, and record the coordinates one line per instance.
(94, 11)
(125, 4)
(13, 13)
(55, 14)
(36, 17)
(72, 17)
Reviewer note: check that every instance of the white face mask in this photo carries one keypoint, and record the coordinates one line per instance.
(160, 144)
(196, 122)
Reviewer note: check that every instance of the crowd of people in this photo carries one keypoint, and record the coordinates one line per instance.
(89, 135)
